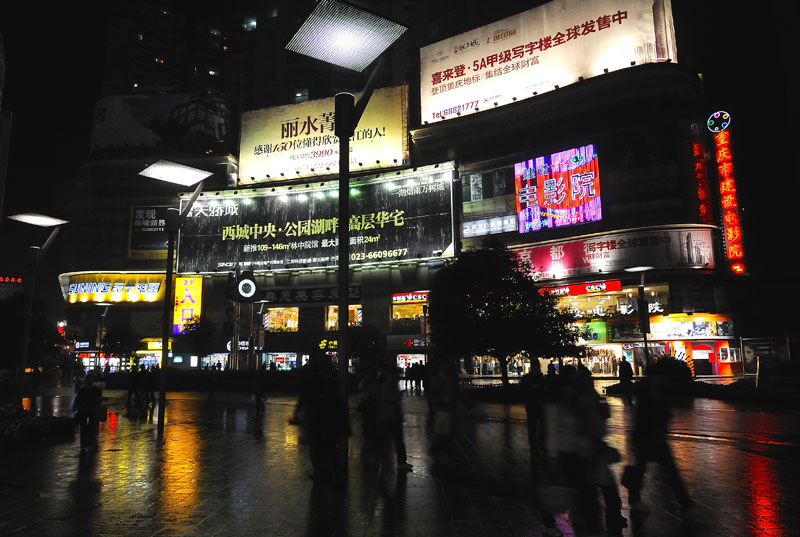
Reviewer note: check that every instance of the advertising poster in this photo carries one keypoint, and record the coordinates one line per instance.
(669, 248)
(298, 140)
(148, 233)
(404, 217)
(176, 121)
(188, 301)
(539, 50)
(562, 189)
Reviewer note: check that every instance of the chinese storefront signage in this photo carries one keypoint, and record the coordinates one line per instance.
(188, 301)
(415, 297)
(298, 140)
(679, 327)
(607, 286)
(148, 234)
(405, 216)
(308, 295)
(702, 185)
(540, 50)
(728, 197)
(130, 287)
(562, 189)
(668, 248)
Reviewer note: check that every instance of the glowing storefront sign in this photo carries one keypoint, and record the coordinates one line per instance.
(731, 227)
(298, 140)
(415, 297)
(112, 288)
(584, 288)
(188, 300)
(558, 190)
(541, 50)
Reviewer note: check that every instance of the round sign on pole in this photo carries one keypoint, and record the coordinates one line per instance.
(247, 288)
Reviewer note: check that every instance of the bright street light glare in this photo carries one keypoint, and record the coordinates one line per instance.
(640, 268)
(344, 35)
(37, 219)
(172, 172)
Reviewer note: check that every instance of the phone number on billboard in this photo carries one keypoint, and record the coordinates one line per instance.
(380, 254)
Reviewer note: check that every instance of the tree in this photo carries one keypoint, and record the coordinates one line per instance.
(199, 337)
(121, 339)
(488, 303)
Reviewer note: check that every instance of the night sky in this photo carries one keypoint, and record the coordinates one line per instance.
(745, 54)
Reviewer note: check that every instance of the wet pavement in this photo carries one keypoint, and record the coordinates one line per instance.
(221, 469)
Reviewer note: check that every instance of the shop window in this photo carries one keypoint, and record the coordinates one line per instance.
(332, 317)
(408, 319)
(281, 319)
(300, 95)
(486, 185)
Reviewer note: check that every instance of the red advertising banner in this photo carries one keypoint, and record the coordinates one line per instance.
(607, 286)
(668, 248)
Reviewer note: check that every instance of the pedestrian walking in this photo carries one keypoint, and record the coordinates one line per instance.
(649, 442)
(390, 413)
(211, 384)
(368, 407)
(532, 384)
(133, 387)
(259, 386)
(626, 380)
(85, 405)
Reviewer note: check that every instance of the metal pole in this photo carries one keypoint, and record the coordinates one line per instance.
(34, 254)
(169, 304)
(642, 315)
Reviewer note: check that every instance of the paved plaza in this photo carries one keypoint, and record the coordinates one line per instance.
(221, 469)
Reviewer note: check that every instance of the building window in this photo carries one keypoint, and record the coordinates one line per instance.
(281, 319)
(249, 24)
(214, 32)
(272, 13)
(300, 95)
(332, 317)
(409, 319)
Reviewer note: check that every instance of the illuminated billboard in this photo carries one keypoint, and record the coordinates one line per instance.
(401, 216)
(188, 302)
(558, 190)
(540, 50)
(110, 288)
(298, 140)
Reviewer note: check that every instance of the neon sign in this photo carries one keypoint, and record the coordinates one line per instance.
(559, 190)
(607, 286)
(731, 226)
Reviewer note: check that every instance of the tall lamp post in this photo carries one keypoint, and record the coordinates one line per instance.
(346, 36)
(643, 308)
(35, 255)
(172, 172)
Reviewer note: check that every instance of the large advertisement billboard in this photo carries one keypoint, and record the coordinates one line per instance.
(174, 121)
(661, 249)
(561, 189)
(540, 50)
(298, 140)
(405, 216)
(148, 233)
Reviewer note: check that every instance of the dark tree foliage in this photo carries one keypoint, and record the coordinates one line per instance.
(45, 341)
(121, 339)
(487, 303)
(200, 336)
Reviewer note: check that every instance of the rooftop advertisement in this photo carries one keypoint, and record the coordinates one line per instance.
(661, 249)
(540, 50)
(298, 140)
(180, 121)
(406, 216)
(562, 189)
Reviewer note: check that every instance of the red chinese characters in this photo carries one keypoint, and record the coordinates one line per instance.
(732, 231)
(703, 186)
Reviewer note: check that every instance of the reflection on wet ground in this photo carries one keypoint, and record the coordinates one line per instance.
(223, 469)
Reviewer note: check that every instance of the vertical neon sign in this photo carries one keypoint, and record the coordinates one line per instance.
(718, 124)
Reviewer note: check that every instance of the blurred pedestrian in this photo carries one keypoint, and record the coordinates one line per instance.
(626, 381)
(390, 413)
(133, 387)
(440, 392)
(258, 387)
(211, 384)
(532, 384)
(368, 407)
(649, 442)
(85, 406)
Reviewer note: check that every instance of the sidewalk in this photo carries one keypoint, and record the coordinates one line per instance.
(222, 470)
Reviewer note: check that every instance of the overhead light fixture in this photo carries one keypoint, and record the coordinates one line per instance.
(341, 34)
(36, 219)
(172, 172)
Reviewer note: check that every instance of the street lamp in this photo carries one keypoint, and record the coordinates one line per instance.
(346, 36)
(171, 172)
(643, 308)
(35, 253)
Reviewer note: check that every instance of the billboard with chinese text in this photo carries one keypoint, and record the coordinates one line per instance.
(96, 287)
(188, 302)
(405, 216)
(148, 234)
(298, 140)
(662, 249)
(558, 190)
(540, 50)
